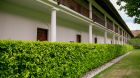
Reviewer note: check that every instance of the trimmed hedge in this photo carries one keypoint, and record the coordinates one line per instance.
(135, 42)
(34, 59)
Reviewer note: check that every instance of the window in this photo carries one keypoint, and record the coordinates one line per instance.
(78, 38)
(95, 40)
(42, 34)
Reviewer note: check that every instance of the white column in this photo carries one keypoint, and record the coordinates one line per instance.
(90, 10)
(118, 39)
(53, 25)
(126, 37)
(90, 25)
(125, 41)
(119, 35)
(114, 38)
(122, 37)
(105, 34)
(90, 33)
(105, 37)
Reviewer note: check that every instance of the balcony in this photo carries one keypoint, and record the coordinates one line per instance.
(98, 16)
(109, 24)
(121, 32)
(72, 4)
(98, 19)
(116, 28)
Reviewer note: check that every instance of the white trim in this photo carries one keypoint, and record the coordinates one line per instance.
(40, 1)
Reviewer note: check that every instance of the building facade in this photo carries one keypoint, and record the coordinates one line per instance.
(93, 21)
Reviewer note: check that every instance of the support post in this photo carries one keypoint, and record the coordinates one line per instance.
(119, 42)
(90, 25)
(114, 37)
(90, 33)
(122, 37)
(53, 25)
(105, 34)
(118, 39)
(90, 10)
(105, 37)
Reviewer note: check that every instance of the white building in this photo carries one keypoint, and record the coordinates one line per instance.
(94, 21)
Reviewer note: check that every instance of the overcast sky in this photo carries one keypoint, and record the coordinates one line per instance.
(128, 20)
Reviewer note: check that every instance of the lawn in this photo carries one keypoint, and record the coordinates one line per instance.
(128, 67)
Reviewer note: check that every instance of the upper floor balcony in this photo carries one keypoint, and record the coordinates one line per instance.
(121, 31)
(116, 28)
(98, 16)
(83, 9)
(109, 24)
(74, 5)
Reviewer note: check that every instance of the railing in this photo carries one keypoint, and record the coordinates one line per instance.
(98, 19)
(97, 15)
(74, 6)
(121, 31)
(116, 28)
(109, 24)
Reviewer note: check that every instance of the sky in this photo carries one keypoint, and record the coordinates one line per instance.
(129, 20)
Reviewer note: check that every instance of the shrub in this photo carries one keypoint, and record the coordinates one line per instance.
(135, 42)
(34, 59)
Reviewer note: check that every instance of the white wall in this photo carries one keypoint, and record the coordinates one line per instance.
(19, 28)
(66, 34)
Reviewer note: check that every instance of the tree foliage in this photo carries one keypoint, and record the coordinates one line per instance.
(131, 7)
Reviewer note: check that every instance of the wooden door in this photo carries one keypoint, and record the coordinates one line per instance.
(78, 38)
(42, 34)
(95, 40)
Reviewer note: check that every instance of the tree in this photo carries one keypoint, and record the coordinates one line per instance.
(132, 8)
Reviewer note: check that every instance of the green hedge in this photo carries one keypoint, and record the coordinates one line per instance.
(34, 59)
(135, 42)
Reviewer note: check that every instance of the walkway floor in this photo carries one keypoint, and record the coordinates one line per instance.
(128, 67)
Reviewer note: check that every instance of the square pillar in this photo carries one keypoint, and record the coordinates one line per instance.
(118, 39)
(105, 33)
(90, 25)
(90, 33)
(114, 38)
(105, 37)
(53, 25)
(90, 10)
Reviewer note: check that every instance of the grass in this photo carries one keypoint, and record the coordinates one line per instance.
(128, 67)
